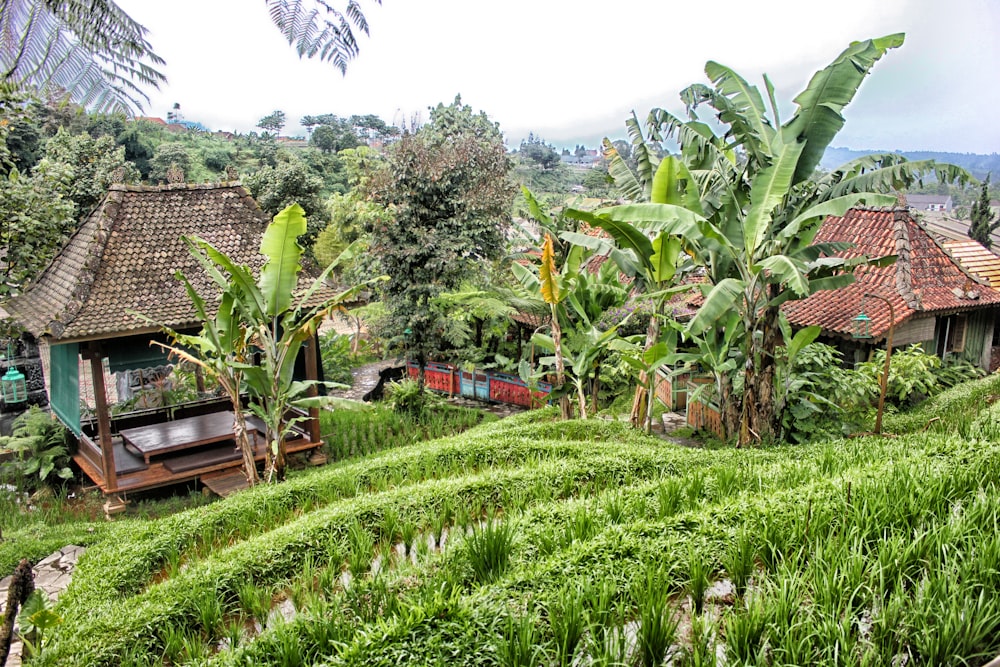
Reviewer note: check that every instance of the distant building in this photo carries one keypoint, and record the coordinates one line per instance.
(941, 203)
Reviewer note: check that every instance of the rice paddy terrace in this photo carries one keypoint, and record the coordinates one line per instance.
(530, 541)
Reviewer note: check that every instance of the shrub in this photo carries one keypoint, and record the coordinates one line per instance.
(38, 442)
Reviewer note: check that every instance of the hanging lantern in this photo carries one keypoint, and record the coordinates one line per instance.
(13, 388)
(861, 326)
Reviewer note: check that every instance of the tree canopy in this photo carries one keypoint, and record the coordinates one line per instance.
(448, 188)
(982, 217)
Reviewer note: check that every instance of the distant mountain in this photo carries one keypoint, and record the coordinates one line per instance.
(977, 165)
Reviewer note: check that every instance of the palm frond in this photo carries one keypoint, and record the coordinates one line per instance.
(89, 48)
(316, 28)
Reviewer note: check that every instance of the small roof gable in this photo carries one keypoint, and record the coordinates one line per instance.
(924, 278)
(125, 255)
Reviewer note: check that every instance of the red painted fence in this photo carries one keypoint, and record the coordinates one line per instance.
(485, 386)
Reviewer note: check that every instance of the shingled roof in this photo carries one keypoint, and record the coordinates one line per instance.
(924, 278)
(125, 255)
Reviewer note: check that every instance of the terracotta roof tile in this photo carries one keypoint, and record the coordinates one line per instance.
(925, 278)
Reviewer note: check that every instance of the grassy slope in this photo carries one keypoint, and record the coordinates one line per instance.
(855, 548)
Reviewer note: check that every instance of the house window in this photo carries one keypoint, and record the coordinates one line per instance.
(950, 335)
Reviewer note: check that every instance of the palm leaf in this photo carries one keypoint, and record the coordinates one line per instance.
(818, 118)
(768, 189)
(718, 305)
(89, 48)
(626, 182)
(673, 184)
(743, 110)
(318, 29)
(281, 270)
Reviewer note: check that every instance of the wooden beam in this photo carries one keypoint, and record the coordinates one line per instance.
(312, 373)
(103, 417)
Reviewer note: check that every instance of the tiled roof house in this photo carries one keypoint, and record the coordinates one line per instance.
(936, 301)
(123, 260)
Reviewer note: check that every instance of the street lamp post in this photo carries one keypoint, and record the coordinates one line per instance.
(861, 330)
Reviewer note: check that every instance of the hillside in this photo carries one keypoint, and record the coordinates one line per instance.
(568, 538)
(978, 165)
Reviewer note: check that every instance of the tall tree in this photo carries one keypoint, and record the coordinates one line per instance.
(273, 122)
(449, 187)
(982, 215)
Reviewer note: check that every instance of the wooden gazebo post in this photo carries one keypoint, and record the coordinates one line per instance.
(95, 355)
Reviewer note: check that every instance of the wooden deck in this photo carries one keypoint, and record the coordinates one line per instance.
(176, 468)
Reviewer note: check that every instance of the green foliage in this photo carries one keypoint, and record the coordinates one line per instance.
(447, 185)
(38, 218)
(407, 396)
(360, 433)
(819, 397)
(273, 122)
(489, 548)
(290, 182)
(91, 164)
(93, 51)
(981, 216)
(541, 154)
(170, 155)
(338, 357)
(36, 619)
(40, 454)
(751, 221)
(913, 374)
(847, 525)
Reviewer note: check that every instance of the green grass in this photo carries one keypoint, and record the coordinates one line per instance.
(576, 541)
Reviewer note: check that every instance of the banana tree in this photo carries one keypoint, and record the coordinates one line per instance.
(648, 360)
(553, 288)
(652, 263)
(760, 205)
(257, 333)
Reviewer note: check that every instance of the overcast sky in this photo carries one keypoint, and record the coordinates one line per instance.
(572, 71)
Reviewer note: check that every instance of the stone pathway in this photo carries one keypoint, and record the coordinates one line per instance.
(52, 575)
(365, 378)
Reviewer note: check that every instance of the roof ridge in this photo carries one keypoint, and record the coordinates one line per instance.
(92, 261)
(904, 265)
(164, 187)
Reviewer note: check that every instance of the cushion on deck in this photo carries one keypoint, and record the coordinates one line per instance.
(126, 462)
(203, 458)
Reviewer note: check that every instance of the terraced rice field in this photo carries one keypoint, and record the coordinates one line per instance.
(534, 542)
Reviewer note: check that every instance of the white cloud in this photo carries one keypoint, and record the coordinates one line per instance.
(574, 70)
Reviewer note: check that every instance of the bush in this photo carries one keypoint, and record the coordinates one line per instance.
(408, 397)
(38, 442)
(338, 357)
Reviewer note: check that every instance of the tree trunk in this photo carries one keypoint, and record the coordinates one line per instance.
(728, 405)
(639, 416)
(758, 421)
(595, 388)
(21, 586)
(565, 407)
(246, 447)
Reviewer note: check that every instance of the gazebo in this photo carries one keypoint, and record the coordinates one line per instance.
(122, 260)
